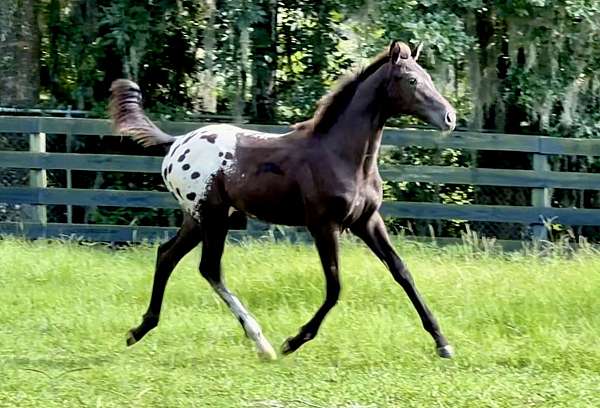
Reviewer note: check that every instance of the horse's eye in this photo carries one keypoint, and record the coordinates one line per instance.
(412, 81)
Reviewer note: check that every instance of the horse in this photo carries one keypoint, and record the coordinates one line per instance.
(322, 175)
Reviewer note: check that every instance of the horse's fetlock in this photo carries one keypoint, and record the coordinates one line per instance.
(309, 336)
(151, 319)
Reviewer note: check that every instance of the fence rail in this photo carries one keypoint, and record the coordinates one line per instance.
(540, 178)
(78, 161)
(493, 177)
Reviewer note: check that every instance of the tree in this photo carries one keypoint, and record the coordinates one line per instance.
(19, 53)
(264, 62)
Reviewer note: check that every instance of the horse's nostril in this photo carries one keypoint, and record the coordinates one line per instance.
(450, 117)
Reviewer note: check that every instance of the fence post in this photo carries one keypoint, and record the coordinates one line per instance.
(38, 178)
(69, 145)
(540, 197)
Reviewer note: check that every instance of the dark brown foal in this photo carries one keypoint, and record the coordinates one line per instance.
(322, 175)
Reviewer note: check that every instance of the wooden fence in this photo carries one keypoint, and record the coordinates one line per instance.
(540, 178)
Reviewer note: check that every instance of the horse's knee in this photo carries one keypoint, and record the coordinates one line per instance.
(164, 255)
(209, 270)
(401, 273)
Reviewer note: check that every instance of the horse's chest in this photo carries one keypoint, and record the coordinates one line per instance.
(344, 205)
(351, 200)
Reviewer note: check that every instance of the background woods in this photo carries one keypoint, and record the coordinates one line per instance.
(531, 66)
(511, 66)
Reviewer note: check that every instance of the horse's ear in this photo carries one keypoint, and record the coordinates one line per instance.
(417, 51)
(398, 52)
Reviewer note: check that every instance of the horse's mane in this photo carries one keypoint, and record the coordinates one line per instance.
(331, 106)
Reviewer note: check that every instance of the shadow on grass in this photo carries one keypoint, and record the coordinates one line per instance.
(42, 365)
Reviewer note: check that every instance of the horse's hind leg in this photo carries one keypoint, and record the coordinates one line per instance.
(168, 255)
(214, 226)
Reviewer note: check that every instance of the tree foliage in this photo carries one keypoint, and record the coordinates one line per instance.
(519, 66)
(526, 65)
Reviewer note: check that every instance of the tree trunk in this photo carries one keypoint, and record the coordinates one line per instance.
(85, 17)
(320, 41)
(207, 77)
(474, 69)
(241, 45)
(53, 63)
(19, 53)
(264, 63)
(321, 45)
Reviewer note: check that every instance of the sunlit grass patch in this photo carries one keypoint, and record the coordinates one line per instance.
(525, 327)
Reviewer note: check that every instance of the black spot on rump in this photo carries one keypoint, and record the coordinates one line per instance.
(170, 168)
(220, 154)
(182, 157)
(195, 175)
(187, 139)
(209, 138)
(228, 155)
(186, 167)
(190, 196)
(165, 172)
(178, 193)
(224, 162)
(174, 150)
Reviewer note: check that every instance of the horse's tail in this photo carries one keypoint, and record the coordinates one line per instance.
(128, 117)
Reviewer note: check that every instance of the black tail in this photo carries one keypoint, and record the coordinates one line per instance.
(128, 117)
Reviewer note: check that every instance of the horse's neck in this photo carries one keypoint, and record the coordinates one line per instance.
(356, 136)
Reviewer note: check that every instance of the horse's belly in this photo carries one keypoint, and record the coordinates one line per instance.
(272, 205)
(280, 212)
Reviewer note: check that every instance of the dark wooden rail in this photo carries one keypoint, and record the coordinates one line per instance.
(540, 178)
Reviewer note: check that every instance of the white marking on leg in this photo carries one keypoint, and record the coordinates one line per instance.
(251, 326)
(446, 351)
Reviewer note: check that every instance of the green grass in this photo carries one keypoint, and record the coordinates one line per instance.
(525, 329)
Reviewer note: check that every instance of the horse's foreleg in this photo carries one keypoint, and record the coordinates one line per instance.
(326, 241)
(168, 255)
(215, 232)
(374, 234)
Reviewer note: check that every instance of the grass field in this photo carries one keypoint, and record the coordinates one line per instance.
(525, 328)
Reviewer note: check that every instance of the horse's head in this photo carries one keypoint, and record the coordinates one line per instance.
(411, 90)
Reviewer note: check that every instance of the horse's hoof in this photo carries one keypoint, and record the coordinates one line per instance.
(265, 350)
(286, 348)
(130, 339)
(267, 355)
(446, 351)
